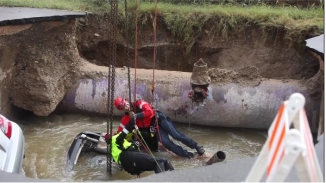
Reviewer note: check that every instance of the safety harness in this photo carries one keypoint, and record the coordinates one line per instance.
(153, 128)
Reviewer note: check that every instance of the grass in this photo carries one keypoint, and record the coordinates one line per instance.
(186, 21)
(182, 20)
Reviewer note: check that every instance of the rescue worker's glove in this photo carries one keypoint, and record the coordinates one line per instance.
(139, 115)
(131, 114)
(107, 139)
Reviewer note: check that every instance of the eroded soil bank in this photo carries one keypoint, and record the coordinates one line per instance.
(40, 62)
(270, 50)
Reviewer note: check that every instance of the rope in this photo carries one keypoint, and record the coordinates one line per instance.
(158, 131)
(136, 50)
(127, 46)
(153, 82)
(147, 148)
(154, 54)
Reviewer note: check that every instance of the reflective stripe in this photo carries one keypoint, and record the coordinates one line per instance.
(125, 131)
(121, 125)
(141, 104)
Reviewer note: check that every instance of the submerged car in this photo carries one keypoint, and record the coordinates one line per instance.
(85, 142)
(12, 146)
(93, 144)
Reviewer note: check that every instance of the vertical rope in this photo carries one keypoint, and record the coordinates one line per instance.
(154, 54)
(136, 50)
(127, 46)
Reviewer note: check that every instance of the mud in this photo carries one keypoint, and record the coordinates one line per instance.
(40, 62)
(247, 76)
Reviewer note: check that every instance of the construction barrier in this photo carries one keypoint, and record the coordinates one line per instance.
(286, 147)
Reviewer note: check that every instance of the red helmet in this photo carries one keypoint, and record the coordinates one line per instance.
(120, 103)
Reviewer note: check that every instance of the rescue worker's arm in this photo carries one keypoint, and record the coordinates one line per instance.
(147, 111)
(129, 127)
(124, 121)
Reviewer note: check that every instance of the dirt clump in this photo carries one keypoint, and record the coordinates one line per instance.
(199, 74)
(247, 76)
(41, 59)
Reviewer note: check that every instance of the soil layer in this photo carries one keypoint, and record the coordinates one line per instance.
(40, 62)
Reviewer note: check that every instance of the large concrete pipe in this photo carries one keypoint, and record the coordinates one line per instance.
(229, 104)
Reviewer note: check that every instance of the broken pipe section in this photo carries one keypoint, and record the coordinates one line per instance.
(219, 156)
(228, 104)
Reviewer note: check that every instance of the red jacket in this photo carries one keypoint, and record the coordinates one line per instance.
(141, 106)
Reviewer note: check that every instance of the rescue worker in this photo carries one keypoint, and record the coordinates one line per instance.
(128, 156)
(145, 119)
(144, 125)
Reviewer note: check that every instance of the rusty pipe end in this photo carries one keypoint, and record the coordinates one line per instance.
(219, 156)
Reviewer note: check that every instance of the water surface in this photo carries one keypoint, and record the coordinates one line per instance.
(48, 139)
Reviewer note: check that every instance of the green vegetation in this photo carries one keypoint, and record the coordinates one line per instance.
(186, 21)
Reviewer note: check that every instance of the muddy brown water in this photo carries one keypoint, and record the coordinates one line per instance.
(48, 139)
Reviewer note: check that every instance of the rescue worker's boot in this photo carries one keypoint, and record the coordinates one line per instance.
(190, 155)
(163, 165)
(159, 167)
(168, 166)
(200, 150)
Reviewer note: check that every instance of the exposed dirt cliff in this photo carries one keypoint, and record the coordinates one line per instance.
(40, 62)
(271, 50)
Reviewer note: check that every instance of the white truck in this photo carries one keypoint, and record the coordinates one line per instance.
(12, 146)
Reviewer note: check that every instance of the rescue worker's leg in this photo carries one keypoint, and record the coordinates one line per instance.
(169, 127)
(137, 162)
(163, 165)
(170, 145)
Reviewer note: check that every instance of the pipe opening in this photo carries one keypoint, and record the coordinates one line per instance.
(220, 155)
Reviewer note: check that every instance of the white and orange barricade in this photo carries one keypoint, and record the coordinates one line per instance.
(286, 147)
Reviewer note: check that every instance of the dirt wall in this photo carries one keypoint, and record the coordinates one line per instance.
(40, 62)
(270, 50)
(37, 65)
